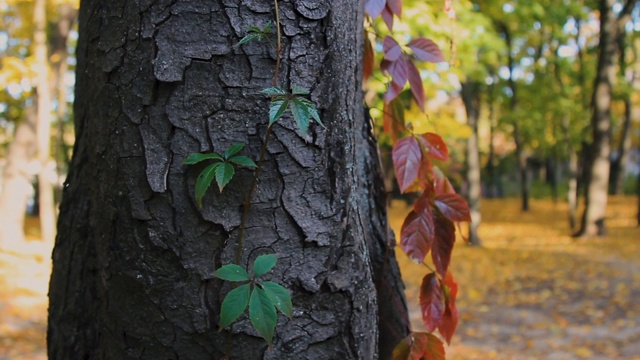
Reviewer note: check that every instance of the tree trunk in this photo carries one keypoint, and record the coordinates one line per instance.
(598, 165)
(521, 155)
(471, 97)
(134, 256)
(46, 175)
(16, 183)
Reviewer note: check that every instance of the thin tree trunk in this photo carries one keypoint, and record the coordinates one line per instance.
(492, 181)
(598, 166)
(471, 97)
(134, 254)
(47, 175)
(16, 183)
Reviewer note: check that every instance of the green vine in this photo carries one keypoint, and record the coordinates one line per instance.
(261, 297)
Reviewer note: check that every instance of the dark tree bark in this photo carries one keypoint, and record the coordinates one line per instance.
(133, 262)
(471, 97)
(521, 155)
(598, 165)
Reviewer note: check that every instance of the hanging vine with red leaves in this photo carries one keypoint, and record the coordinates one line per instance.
(429, 227)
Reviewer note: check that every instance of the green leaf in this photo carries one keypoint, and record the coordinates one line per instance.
(243, 161)
(300, 114)
(204, 180)
(263, 264)
(277, 108)
(224, 173)
(232, 150)
(262, 314)
(279, 297)
(311, 108)
(250, 36)
(234, 304)
(232, 272)
(273, 91)
(196, 158)
(296, 90)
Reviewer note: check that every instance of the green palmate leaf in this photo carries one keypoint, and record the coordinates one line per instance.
(314, 114)
(196, 158)
(262, 314)
(250, 36)
(300, 114)
(273, 91)
(263, 264)
(234, 304)
(224, 173)
(279, 297)
(276, 109)
(204, 180)
(296, 90)
(232, 272)
(232, 150)
(243, 161)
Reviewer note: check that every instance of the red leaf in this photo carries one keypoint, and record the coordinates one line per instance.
(406, 157)
(387, 16)
(395, 7)
(392, 92)
(416, 82)
(368, 58)
(425, 175)
(374, 7)
(393, 118)
(396, 69)
(453, 206)
(416, 235)
(435, 146)
(426, 347)
(450, 317)
(431, 302)
(441, 184)
(419, 346)
(444, 237)
(426, 50)
(391, 48)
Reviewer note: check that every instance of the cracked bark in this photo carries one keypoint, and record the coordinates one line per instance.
(158, 80)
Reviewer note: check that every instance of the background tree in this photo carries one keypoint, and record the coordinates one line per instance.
(134, 255)
(598, 166)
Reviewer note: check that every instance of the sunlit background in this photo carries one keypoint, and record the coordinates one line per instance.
(530, 291)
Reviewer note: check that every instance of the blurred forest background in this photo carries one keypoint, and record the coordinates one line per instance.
(520, 106)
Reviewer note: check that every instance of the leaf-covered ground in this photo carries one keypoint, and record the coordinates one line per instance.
(533, 292)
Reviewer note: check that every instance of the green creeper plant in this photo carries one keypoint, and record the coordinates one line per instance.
(262, 297)
(301, 108)
(222, 169)
(256, 33)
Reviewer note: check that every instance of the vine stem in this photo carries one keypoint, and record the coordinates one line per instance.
(263, 151)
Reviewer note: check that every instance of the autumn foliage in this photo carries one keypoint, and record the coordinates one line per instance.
(429, 227)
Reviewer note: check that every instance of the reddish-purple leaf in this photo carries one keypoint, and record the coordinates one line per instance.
(453, 206)
(444, 237)
(406, 157)
(415, 81)
(368, 61)
(441, 184)
(387, 16)
(419, 346)
(431, 302)
(426, 347)
(416, 235)
(426, 50)
(450, 317)
(396, 69)
(435, 146)
(395, 7)
(374, 7)
(425, 175)
(393, 118)
(391, 48)
(392, 92)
